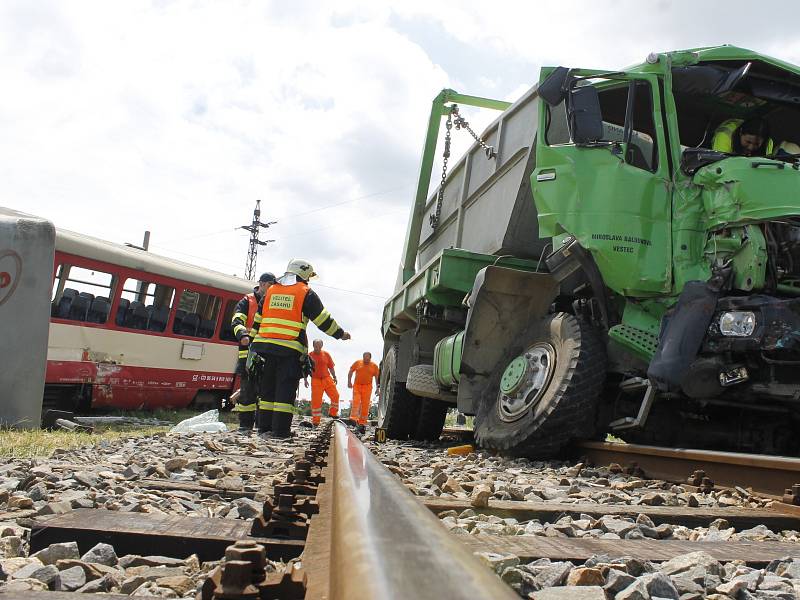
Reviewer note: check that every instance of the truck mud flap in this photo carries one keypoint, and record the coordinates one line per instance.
(504, 302)
(682, 334)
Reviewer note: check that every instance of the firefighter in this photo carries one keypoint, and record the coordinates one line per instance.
(242, 322)
(323, 380)
(279, 337)
(364, 370)
(748, 138)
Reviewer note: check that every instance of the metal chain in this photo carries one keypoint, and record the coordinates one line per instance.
(434, 218)
(460, 123)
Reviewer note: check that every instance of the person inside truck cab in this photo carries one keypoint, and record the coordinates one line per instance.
(747, 138)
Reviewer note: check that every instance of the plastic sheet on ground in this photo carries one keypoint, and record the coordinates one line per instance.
(207, 422)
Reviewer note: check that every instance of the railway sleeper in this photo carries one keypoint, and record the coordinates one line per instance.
(280, 529)
(286, 528)
(133, 533)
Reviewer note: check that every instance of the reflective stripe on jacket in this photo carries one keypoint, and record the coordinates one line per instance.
(241, 321)
(281, 321)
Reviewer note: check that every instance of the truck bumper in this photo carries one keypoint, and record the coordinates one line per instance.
(776, 330)
(763, 364)
(702, 356)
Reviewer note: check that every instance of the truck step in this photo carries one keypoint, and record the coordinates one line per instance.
(634, 384)
(642, 343)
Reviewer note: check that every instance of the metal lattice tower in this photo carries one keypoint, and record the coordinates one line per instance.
(252, 252)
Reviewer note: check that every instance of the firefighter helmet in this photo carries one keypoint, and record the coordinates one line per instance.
(789, 148)
(301, 268)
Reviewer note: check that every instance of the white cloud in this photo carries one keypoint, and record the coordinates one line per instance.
(176, 116)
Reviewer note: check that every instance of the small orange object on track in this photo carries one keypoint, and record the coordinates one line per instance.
(461, 449)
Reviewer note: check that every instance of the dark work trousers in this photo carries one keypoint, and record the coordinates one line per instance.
(246, 405)
(247, 402)
(279, 390)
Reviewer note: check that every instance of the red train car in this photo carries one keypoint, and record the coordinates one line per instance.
(130, 329)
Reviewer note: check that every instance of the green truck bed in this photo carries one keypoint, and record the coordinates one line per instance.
(444, 280)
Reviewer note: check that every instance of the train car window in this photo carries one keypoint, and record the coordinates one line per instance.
(81, 294)
(144, 305)
(199, 314)
(226, 330)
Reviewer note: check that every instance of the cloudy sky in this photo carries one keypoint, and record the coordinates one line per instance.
(117, 117)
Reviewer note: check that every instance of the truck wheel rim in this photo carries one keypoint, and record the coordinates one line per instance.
(382, 399)
(525, 380)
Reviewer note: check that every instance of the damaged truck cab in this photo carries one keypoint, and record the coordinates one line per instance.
(603, 268)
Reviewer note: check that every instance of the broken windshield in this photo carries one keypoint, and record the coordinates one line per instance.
(736, 108)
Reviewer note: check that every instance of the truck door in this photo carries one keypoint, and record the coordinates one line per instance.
(611, 193)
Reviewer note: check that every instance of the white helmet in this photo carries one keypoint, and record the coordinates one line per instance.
(301, 268)
(789, 147)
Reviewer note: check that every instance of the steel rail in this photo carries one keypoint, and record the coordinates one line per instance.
(386, 544)
(769, 475)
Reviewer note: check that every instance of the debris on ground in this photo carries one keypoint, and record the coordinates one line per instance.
(207, 422)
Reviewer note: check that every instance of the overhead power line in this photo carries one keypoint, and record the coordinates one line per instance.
(321, 208)
(316, 283)
(294, 216)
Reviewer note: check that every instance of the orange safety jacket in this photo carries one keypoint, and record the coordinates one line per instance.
(282, 318)
(252, 307)
(242, 321)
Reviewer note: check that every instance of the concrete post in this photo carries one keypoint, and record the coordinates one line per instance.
(27, 247)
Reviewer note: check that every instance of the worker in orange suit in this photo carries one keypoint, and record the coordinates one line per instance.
(365, 370)
(323, 380)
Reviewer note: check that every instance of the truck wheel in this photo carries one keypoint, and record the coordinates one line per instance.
(397, 408)
(544, 394)
(431, 418)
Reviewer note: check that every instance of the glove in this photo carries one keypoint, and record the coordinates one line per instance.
(254, 365)
(306, 366)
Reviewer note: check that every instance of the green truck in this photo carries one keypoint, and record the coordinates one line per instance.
(593, 264)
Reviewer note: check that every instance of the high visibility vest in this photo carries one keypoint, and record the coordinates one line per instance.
(723, 137)
(282, 319)
(252, 308)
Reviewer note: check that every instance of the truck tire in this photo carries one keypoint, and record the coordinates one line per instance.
(432, 412)
(571, 362)
(397, 408)
(430, 421)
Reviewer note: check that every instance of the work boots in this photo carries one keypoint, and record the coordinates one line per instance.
(246, 421)
(264, 421)
(281, 424)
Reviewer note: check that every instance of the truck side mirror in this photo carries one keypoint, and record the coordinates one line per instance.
(584, 115)
(554, 88)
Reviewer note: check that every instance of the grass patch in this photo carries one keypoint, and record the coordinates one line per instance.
(450, 420)
(39, 443)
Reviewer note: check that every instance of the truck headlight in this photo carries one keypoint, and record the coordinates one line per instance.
(737, 323)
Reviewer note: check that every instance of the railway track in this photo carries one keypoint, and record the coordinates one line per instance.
(774, 476)
(341, 524)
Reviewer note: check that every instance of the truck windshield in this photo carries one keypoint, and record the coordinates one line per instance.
(765, 100)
